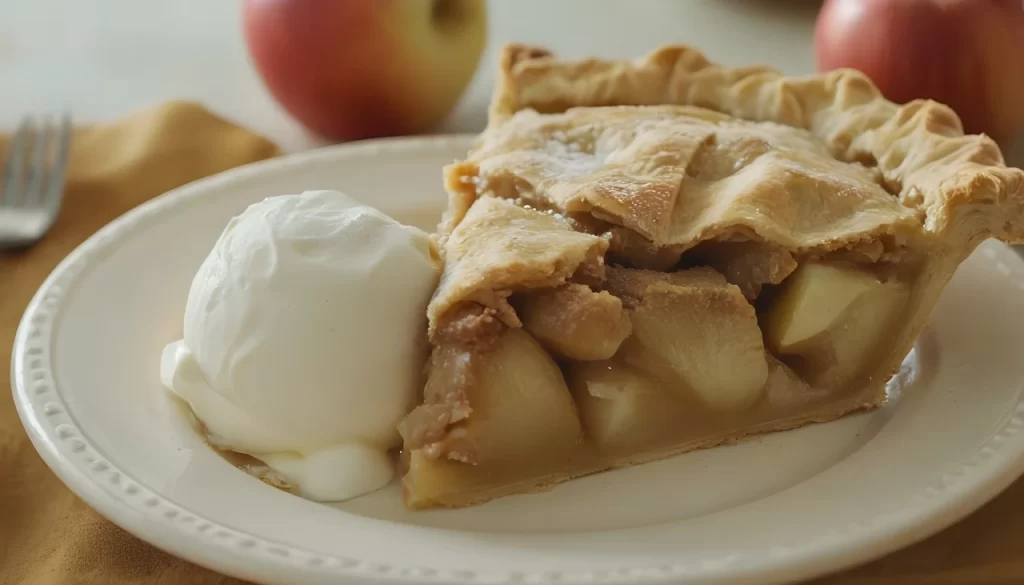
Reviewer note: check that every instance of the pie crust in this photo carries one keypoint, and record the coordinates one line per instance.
(637, 254)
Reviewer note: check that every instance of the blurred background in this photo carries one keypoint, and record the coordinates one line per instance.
(106, 58)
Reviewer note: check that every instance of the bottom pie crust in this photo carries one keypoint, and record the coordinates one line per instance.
(465, 487)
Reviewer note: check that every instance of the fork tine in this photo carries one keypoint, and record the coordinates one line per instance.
(37, 164)
(55, 185)
(14, 165)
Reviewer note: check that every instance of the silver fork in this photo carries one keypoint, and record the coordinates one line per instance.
(33, 179)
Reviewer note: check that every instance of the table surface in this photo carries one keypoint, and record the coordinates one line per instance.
(104, 58)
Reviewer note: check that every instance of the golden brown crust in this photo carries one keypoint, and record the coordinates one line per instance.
(498, 248)
(959, 182)
(679, 175)
(808, 166)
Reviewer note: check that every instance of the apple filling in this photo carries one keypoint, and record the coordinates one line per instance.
(640, 365)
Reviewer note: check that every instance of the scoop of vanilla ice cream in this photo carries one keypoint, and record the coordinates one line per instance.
(304, 339)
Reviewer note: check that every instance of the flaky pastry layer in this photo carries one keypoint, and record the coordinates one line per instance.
(919, 148)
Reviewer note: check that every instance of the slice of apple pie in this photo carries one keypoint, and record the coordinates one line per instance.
(645, 258)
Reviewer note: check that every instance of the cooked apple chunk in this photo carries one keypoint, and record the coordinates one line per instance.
(631, 249)
(575, 322)
(786, 390)
(520, 403)
(830, 318)
(701, 327)
(620, 405)
(748, 265)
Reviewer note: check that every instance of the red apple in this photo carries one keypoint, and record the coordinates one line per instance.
(351, 69)
(968, 54)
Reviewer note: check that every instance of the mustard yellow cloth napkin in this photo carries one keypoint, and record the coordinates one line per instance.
(49, 537)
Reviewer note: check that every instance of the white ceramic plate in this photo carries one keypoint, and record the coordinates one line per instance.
(772, 510)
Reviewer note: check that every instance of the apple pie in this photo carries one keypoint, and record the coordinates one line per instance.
(648, 257)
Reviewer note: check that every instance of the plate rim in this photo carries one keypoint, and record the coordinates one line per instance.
(158, 520)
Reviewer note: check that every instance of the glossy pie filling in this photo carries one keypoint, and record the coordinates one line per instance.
(622, 365)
